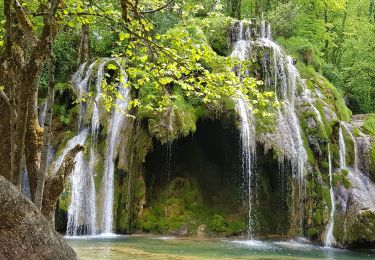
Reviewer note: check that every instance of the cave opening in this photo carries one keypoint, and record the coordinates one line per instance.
(198, 180)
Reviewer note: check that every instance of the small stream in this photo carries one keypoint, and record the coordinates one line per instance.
(153, 247)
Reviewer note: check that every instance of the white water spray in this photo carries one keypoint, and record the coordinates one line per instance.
(114, 130)
(330, 239)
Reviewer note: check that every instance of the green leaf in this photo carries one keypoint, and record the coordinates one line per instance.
(124, 36)
(111, 67)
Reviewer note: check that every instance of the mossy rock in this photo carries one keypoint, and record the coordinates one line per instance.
(359, 229)
(341, 178)
(369, 125)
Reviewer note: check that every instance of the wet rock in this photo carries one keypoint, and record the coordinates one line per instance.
(182, 231)
(201, 231)
(364, 146)
(355, 223)
(24, 232)
(311, 122)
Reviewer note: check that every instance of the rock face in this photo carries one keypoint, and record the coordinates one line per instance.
(24, 232)
(356, 211)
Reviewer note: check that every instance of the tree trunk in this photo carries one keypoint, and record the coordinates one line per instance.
(23, 59)
(18, 138)
(47, 133)
(54, 185)
(83, 51)
(5, 132)
(33, 142)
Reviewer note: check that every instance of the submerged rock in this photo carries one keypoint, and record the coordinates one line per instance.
(24, 232)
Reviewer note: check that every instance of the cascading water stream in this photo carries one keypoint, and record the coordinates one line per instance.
(241, 52)
(248, 152)
(77, 140)
(342, 149)
(42, 113)
(283, 81)
(118, 116)
(330, 239)
(82, 209)
(355, 163)
(82, 86)
(285, 86)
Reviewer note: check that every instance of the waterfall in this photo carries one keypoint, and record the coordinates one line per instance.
(241, 52)
(82, 208)
(248, 150)
(289, 131)
(283, 81)
(82, 212)
(342, 149)
(95, 124)
(118, 116)
(169, 158)
(82, 86)
(77, 140)
(77, 223)
(25, 185)
(330, 239)
(42, 113)
(355, 163)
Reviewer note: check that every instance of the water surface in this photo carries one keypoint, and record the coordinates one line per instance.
(150, 247)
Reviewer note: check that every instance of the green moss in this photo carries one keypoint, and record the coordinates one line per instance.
(363, 229)
(327, 197)
(181, 204)
(335, 150)
(369, 125)
(334, 97)
(341, 178)
(218, 224)
(372, 162)
(356, 132)
(216, 30)
(64, 200)
(349, 145)
(312, 232)
(327, 125)
(67, 136)
(175, 121)
(317, 217)
(324, 166)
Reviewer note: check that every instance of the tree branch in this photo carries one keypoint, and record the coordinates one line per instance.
(54, 184)
(46, 39)
(25, 23)
(4, 97)
(158, 9)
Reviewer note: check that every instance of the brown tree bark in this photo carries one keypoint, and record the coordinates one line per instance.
(33, 141)
(22, 62)
(46, 138)
(83, 50)
(54, 184)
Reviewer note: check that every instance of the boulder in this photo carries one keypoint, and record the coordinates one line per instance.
(24, 232)
(182, 231)
(201, 231)
(355, 216)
